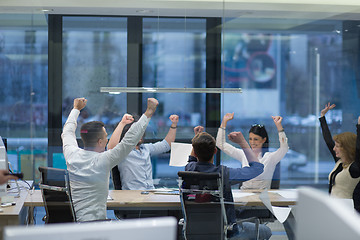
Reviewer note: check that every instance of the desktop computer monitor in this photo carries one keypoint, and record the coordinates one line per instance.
(319, 216)
(3, 164)
(161, 228)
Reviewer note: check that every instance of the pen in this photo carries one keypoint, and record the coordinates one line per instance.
(8, 204)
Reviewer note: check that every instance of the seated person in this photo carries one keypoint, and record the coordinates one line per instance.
(201, 160)
(259, 142)
(89, 168)
(136, 169)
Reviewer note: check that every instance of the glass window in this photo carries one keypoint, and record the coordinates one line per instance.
(24, 91)
(94, 56)
(291, 73)
(174, 57)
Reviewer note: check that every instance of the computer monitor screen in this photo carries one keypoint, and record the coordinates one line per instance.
(162, 228)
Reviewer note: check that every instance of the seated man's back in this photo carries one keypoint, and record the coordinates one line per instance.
(201, 160)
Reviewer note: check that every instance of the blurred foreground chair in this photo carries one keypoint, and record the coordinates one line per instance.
(56, 194)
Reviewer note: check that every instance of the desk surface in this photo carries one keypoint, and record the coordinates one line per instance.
(14, 215)
(133, 199)
(14, 211)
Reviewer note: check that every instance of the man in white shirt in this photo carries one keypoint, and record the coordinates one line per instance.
(89, 168)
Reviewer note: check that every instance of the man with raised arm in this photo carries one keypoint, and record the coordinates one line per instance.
(201, 159)
(136, 169)
(89, 168)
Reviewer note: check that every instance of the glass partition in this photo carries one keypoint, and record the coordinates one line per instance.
(24, 93)
(291, 71)
(289, 60)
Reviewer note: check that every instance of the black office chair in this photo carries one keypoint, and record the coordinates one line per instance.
(115, 175)
(202, 203)
(56, 194)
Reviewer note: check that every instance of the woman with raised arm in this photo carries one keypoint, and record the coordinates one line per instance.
(345, 148)
(259, 142)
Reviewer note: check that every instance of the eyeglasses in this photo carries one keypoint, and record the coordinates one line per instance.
(257, 125)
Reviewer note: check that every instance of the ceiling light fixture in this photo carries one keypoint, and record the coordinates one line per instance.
(117, 90)
(143, 11)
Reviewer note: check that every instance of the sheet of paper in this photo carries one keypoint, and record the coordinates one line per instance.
(287, 193)
(179, 154)
(163, 190)
(281, 213)
(239, 194)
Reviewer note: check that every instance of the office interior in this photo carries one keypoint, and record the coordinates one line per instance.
(289, 59)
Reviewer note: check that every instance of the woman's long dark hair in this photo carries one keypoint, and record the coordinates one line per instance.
(261, 131)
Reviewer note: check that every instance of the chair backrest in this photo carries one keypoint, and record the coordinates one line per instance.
(115, 175)
(55, 190)
(275, 182)
(202, 204)
(319, 216)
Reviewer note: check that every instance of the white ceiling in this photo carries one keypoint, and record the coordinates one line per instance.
(284, 9)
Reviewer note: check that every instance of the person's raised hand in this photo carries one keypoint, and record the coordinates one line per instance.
(80, 103)
(277, 120)
(327, 108)
(152, 103)
(174, 120)
(228, 117)
(236, 137)
(198, 129)
(127, 119)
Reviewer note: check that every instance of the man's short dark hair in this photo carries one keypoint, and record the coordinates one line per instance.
(91, 132)
(204, 146)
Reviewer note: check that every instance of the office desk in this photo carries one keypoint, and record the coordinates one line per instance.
(134, 200)
(14, 215)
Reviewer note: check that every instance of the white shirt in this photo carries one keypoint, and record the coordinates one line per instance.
(270, 159)
(90, 171)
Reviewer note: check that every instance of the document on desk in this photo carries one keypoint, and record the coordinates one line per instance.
(239, 194)
(287, 193)
(179, 154)
(281, 213)
(165, 191)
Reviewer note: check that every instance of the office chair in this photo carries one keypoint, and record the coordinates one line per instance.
(56, 194)
(115, 175)
(202, 204)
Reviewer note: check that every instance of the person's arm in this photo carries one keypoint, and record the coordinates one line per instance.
(192, 158)
(115, 137)
(132, 137)
(284, 147)
(224, 146)
(170, 137)
(5, 176)
(237, 137)
(68, 135)
(326, 132)
(227, 117)
(246, 173)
